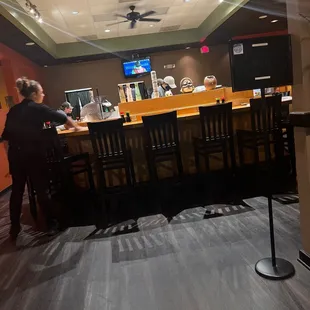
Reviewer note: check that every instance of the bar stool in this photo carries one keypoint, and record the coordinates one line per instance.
(217, 135)
(109, 145)
(288, 135)
(162, 141)
(61, 170)
(265, 121)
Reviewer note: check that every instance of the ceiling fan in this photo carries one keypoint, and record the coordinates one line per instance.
(134, 17)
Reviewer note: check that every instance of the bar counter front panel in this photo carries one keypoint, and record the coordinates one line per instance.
(187, 107)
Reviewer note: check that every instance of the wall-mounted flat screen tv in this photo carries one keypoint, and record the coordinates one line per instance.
(137, 67)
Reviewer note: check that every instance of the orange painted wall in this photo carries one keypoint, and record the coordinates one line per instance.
(5, 179)
(12, 66)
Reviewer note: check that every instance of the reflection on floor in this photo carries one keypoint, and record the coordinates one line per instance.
(203, 258)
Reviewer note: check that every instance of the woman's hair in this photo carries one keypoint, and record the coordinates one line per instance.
(27, 87)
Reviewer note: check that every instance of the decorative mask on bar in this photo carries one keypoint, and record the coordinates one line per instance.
(210, 82)
(186, 85)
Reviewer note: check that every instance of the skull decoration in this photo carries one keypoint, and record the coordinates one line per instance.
(210, 82)
(186, 85)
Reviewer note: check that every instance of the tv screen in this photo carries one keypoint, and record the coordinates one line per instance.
(261, 62)
(137, 67)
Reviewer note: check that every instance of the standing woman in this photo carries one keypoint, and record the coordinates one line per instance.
(23, 132)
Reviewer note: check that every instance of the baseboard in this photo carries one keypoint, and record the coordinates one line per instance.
(304, 259)
(5, 190)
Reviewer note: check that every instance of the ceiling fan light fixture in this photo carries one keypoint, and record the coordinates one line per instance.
(133, 17)
(33, 10)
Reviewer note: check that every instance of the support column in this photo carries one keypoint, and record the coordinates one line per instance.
(298, 12)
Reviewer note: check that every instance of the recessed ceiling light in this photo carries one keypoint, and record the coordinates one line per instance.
(187, 48)
(274, 21)
(75, 12)
(151, 25)
(221, 1)
(30, 43)
(263, 17)
(45, 66)
(107, 30)
(187, 0)
(40, 20)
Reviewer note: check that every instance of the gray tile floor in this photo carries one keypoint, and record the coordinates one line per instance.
(200, 264)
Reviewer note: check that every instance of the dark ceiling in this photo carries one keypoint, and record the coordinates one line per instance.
(244, 22)
(16, 40)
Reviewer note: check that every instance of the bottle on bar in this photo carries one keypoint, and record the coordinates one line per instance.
(123, 117)
(121, 94)
(128, 118)
(138, 94)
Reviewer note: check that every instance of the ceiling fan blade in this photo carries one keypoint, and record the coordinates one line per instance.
(132, 24)
(155, 20)
(147, 14)
(125, 21)
(120, 15)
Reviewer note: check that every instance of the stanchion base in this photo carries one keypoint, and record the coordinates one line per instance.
(283, 269)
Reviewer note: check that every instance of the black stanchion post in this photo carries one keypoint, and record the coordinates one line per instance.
(272, 268)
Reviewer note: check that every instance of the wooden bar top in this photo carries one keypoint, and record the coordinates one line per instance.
(138, 122)
(186, 105)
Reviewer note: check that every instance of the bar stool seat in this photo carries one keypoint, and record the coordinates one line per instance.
(109, 145)
(61, 169)
(111, 153)
(265, 128)
(217, 135)
(288, 135)
(162, 141)
(163, 150)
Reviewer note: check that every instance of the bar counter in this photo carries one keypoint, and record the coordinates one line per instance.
(187, 107)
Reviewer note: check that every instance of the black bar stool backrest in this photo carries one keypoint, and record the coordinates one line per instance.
(285, 111)
(266, 115)
(161, 130)
(107, 138)
(52, 145)
(216, 121)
